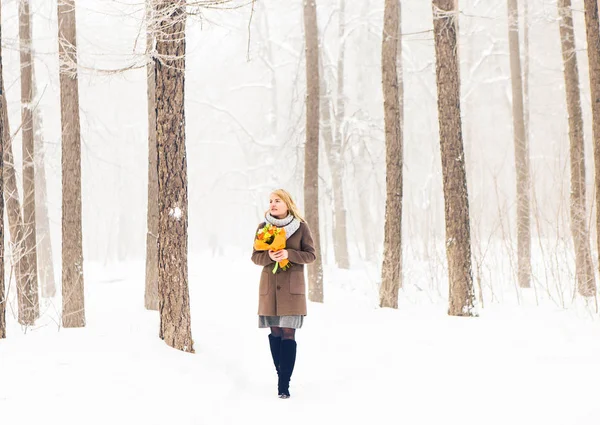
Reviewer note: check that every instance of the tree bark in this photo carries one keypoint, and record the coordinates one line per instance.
(592, 26)
(311, 161)
(29, 227)
(72, 252)
(169, 62)
(391, 279)
(458, 237)
(3, 295)
(521, 151)
(151, 292)
(583, 255)
(27, 298)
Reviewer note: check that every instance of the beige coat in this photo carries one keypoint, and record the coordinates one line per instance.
(284, 293)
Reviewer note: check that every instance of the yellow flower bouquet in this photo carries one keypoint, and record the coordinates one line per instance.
(272, 238)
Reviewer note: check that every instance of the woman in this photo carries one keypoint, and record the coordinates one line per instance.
(282, 295)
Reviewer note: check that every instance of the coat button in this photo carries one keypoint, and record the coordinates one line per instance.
(278, 287)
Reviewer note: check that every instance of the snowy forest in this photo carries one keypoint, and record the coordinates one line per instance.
(444, 153)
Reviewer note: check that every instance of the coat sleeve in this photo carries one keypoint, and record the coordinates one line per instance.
(260, 258)
(307, 254)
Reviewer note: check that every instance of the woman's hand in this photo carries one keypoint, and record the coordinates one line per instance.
(278, 256)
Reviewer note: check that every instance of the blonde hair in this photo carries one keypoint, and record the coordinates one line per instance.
(289, 202)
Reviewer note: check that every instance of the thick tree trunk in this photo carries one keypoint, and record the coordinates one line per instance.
(151, 292)
(3, 295)
(29, 227)
(311, 161)
(592, 26)
(391, 279)
(583, 255)
(521, 151)
(169, 62)
(458, 237)
(73, 307)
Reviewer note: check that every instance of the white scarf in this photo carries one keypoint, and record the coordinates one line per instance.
(290, 224)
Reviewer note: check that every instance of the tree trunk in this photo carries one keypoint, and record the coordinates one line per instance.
(29, 228)
(72, 253)
(521, 150)
(269, 63)
(45, 258)
(583, 255)
(456, 198)
(151, 293)
(363, 172)
(362, 169)
(311, 161)
(3, 295)
(340, 233)
(592, 26)
(327, 135)
(391, 278)
(169, 62)
(27, 298)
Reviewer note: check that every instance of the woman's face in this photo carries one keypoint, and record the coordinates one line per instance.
(277, 207)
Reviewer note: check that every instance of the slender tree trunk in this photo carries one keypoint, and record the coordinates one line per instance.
(327, 135)
(3, 295)
(269, 63)
(169, 62)
(592, 26)
(583, 255)
(28, 147)
(362, 169)
(45, 261)
(28, 301)
(72, 252)
(391, 279)
(458, 237)
(311, 161)
(521, 150)
(151, 293)
(340, 233)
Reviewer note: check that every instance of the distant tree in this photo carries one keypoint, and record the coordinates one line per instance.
(521, 150)
(151, 293)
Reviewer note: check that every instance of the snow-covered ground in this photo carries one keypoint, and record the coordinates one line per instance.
(356, 363)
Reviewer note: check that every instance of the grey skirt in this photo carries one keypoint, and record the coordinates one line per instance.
(294, 322)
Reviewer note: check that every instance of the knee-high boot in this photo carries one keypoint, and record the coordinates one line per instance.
(286, 366)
